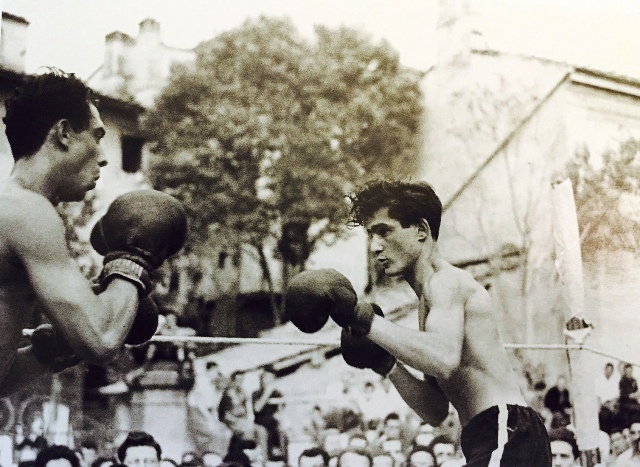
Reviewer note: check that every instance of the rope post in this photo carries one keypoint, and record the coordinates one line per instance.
(577, 328)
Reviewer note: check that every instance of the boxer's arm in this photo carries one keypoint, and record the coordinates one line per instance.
(23, 371)
(425, 397)
(437, 351)
(94, 325)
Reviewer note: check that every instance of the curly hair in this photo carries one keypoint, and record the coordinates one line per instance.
(408, 203)
(56, 452)
(38, 103)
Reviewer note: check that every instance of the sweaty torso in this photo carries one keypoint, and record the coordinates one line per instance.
(17, 298)
(484, 377)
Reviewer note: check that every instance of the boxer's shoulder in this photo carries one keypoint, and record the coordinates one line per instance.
(26, 215)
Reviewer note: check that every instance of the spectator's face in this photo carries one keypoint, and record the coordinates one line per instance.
(628, 371)
(332, 443)
(37, 426)
(353, 459)
(88, 455)
(394, 448)
(634, 431)
(425, 435)
(141, 456)
(421, 459)
(358, 442)
(561, 454)
(311, 462)
(618, 443)
(443, 452)
(562, 384)
(58, 463)
(608, 370)
(392, 429)
(28, 454)
(211, 459)
(382, 461)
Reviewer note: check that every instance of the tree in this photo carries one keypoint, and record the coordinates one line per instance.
(266, 132)
(607, 192)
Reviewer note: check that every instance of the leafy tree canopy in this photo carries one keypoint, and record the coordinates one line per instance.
(607, 191)
(267, 127)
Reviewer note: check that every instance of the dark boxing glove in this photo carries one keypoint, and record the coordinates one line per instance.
(145, 324)
(360, 352)
(314, 295)
(51, 349)
(138, 232)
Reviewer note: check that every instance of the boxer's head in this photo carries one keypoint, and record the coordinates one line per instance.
(402, 220)
(55, 113)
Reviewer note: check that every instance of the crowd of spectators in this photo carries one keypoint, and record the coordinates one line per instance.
(356, 422)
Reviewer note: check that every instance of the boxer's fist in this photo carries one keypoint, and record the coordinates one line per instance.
(314, 295)
(360, 352)
(138, 232)
(145, 324)
(51, 349)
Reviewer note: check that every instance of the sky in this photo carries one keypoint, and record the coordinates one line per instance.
(604, 35)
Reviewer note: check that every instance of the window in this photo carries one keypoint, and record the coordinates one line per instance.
(132, 153)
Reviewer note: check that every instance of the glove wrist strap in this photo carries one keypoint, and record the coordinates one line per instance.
(128, 270)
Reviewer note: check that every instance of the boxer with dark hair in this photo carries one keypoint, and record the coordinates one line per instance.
(54, 130)
(456, 347)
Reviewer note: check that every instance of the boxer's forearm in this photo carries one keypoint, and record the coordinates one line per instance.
(427, 352)
(23, 372)
(99, 336)
(424, 397)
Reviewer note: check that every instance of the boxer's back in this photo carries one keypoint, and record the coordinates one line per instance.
(17, 298)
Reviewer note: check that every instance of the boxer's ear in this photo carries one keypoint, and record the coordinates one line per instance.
(424, 232)
(61, 133)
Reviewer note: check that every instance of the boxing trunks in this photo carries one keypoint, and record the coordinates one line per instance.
(506, 436)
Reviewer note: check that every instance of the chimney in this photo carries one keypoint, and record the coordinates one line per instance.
(13, 42)
(149, 32)
(455, 19)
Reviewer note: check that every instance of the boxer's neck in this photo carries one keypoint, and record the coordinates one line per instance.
(35, 173)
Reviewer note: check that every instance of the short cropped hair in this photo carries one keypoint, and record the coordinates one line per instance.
(315, 452)
(566, 435)
(41, 101)
(138, 438)
(56, 452)
(358, 451)
(408, 203)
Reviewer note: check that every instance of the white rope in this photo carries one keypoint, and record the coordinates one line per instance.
(336, 343)
(316, 342)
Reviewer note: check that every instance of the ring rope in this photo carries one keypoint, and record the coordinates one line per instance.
(336, 343)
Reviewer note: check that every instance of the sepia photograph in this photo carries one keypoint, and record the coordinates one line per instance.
(319, 233)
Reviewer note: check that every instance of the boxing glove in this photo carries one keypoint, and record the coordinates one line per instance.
(51, 349)
(137, 233)
(145, 324)
(361, 352)
(312, 296)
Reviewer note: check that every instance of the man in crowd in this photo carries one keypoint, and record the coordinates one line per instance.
(313, 457)
(564, 448)
(57, 456)
(631, 457)
(607, 384)
(139, 449)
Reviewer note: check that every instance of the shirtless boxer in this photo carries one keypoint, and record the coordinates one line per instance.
(54, 130)
(457, 346)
